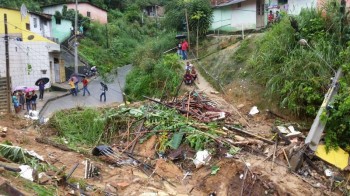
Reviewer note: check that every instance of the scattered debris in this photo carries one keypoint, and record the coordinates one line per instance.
(338, 158)
(27, 172)
(196, 105)
(201, 158)
(254, 110)
(3, 131)
(32, 114)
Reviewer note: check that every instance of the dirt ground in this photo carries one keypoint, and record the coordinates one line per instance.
(248, 173)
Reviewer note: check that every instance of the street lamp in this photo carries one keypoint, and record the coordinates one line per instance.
(304, 42)
(316, 130)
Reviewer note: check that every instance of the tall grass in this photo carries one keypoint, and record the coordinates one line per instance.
(155, 79)
(297, 76)
(79, 126)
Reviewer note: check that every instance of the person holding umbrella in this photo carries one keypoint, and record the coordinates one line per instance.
(41, 83)
(41, 89)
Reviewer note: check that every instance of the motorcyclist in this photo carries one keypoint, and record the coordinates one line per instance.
(188, 78)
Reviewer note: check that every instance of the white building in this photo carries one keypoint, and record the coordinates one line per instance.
(29, 61)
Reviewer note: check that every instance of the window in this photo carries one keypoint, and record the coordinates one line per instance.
(35, 22)
(88, 14)
(45, 22)
(239, 5)
(28, 26)
(58, 21)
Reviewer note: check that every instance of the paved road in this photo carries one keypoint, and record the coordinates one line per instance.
(113, 94)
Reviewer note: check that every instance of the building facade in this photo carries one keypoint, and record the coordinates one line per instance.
(31, 55)
(237, 15)
(85, 9)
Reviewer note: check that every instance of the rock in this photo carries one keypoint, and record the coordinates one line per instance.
(168, 169)
(44, 178)
(147, 148)
(110, 189)
(120, 185)
(149, 194)
(240, 106)
(139, 174)
(169, 188)
(162, 193)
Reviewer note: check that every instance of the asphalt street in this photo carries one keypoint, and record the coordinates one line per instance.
(114, 94)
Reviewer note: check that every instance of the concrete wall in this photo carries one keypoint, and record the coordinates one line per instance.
(294, 6)
(233, 17)
(21, 54)
(245, 15)
(96, 14)
(43, 26)
(61, 31)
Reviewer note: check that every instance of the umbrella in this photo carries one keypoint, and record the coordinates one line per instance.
(77, 77)
(20, 88)
(29, 89)
(180, 36)
(46, 80)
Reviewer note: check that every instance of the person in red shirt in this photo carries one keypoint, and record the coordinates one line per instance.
(85, 84)
(184, 48)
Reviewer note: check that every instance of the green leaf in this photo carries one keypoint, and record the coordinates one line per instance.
(215, 169)
(175, 141)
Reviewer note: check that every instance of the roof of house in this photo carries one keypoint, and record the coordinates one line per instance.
(222, 3)
(50, 5)
(42, 15)
(9, 8)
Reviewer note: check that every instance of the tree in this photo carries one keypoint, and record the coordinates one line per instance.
(175, 15)
(197, 16)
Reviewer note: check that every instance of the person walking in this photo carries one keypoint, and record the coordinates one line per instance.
(85, 84)
(72, 87)
(104, 88)
(184, 48)
(76, 83)
(33, 100)
(41, 89)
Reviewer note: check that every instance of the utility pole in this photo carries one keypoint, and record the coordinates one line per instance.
(75, 38)
(8, 80)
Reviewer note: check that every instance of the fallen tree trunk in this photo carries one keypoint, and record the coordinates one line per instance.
(10, 166)
(250, 134)
(52, 143)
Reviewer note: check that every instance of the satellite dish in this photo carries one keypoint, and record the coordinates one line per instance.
(23, 11)
(30, 37)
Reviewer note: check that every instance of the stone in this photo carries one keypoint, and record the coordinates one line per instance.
(139, 174)
(120, 185)
(169, 188)
(109, 188)
(240, 106)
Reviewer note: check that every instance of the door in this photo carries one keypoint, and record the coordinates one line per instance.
(57, 72)
(260, 14)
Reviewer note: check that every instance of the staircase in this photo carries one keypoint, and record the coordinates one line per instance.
(3, 95)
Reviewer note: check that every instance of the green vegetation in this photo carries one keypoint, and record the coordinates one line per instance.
(295, 75)
(338, 123)
(77, 126)
(172, 129)
(159, 80)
